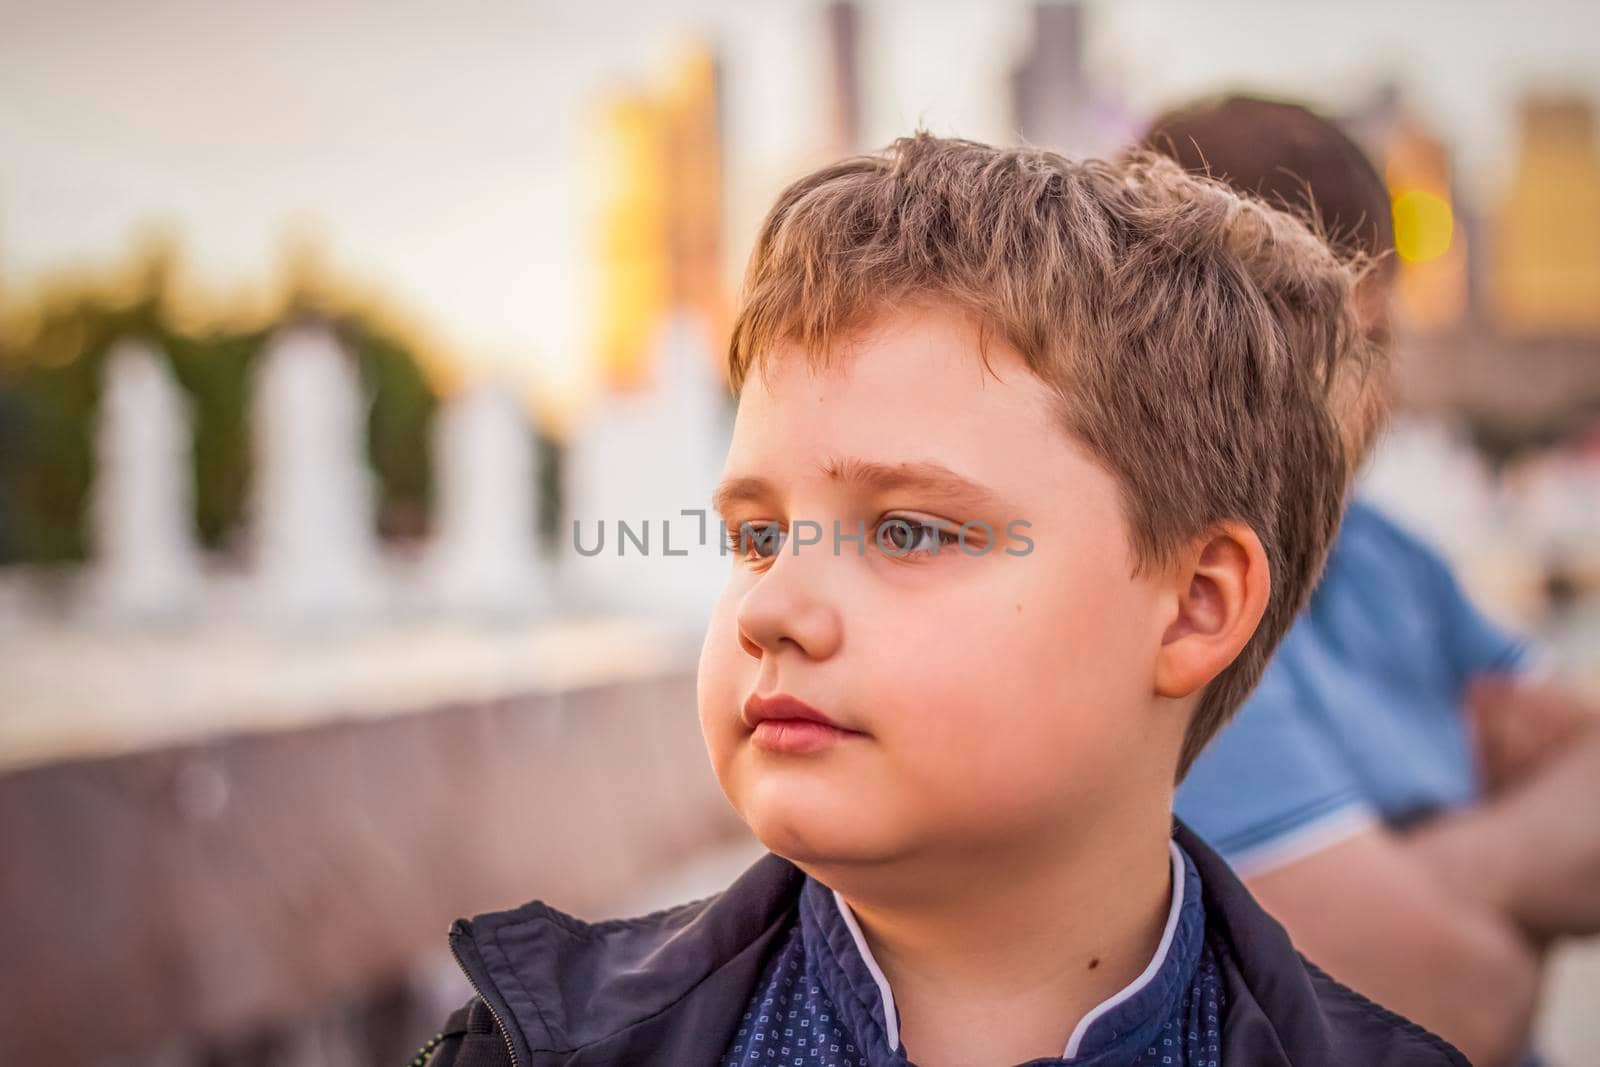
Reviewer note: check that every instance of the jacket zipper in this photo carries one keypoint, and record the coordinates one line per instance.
(499, 1024)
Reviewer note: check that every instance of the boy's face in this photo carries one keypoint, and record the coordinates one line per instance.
(980, 701)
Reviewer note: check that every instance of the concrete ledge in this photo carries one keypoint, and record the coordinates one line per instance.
(210, 887)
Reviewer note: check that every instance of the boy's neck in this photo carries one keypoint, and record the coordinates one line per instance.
(1002, 961)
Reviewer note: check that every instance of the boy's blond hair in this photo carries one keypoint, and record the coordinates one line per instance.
(1201, 345)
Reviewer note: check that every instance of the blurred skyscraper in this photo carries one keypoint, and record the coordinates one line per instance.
(1546, 270)
(844, 56)
(661, 208)
(1050, 89)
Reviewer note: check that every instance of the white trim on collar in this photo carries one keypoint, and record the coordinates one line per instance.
(891, 1019)
(1151, 969)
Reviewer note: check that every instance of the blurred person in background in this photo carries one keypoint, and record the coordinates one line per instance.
(1403, 790)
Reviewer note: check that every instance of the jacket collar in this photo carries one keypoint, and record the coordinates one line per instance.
(664, 988)
(670, 987)
(1282, 1008)
(1113, 1032)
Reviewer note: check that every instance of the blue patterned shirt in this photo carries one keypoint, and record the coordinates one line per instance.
(824, 1002)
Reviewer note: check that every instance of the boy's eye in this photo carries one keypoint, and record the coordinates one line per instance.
(902, 535)
(897, 536)
(756, 540)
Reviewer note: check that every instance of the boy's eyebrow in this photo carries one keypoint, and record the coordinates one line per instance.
(732, 491)
(931, 478)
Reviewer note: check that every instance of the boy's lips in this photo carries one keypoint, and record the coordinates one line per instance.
(783, 723)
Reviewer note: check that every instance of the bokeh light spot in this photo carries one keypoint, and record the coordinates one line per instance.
(1423, 225)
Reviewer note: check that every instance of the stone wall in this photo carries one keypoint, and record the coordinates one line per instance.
(219, 887)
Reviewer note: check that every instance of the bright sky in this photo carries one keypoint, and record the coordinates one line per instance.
(441, 151)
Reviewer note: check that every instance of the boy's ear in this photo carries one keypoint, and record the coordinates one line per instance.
(1220, 586)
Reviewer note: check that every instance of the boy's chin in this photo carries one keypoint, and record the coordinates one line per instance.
(820, 835)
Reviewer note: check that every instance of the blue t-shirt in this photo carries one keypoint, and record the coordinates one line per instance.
(1358, 718)
(824, 1003)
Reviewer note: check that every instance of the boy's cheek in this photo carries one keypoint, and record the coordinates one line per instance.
(719, 687)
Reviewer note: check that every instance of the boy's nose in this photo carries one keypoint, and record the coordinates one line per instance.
(789, 603)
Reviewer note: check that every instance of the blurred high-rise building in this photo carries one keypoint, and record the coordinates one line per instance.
(694, 190)
(1545, 274)
(1050, 88)
(633, 256)
(844, 59)
(661, 203)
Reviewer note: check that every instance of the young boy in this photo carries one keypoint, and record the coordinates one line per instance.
(1034, 462)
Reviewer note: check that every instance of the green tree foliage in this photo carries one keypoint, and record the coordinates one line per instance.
(50, 390)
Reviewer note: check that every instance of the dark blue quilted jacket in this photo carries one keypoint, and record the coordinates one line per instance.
(670, 988)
